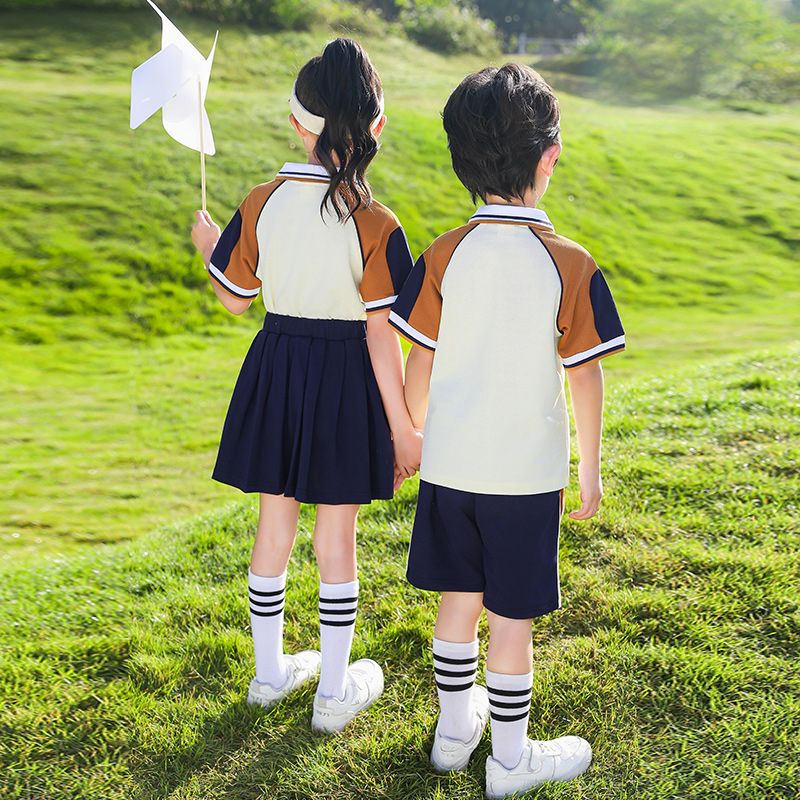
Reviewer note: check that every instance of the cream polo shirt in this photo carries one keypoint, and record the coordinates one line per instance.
(507, 304)
(306, 263)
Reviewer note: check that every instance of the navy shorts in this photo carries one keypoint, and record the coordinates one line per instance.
(505, 546)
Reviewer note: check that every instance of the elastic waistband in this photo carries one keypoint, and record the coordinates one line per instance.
(315, 328)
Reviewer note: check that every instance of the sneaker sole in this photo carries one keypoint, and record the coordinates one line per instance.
(339, 727)
(255, 700)
(459, 767)
(575, 773)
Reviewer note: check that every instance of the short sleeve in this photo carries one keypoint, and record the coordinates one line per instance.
(417, 312)
(386, 255)
(588, 321)
(235, 258)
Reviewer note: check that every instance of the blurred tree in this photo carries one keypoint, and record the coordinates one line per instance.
(391, 9)
(548, 18)
(679, 48)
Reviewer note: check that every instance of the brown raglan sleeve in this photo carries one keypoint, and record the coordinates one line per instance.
(386, 255)
(235, 258)
(587, 319)
(417, 312)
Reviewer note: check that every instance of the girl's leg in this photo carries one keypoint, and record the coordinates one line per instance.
(277, 528)
(509, 680)
(455, 662)
(335, 547)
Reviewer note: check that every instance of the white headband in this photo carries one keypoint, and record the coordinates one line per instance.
(313, 122)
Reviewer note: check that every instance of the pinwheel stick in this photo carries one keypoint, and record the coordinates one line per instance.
(202, 146)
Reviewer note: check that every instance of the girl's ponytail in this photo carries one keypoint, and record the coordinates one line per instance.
(342, 86)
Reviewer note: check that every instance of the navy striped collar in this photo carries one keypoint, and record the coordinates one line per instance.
(304, 172)
(497, 212)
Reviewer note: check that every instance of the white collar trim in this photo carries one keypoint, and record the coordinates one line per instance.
(297, 171)
(498, 212)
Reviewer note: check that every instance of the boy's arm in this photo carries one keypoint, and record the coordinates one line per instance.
(386, 356)
(586, 392)
(205, 235)
(418, 380)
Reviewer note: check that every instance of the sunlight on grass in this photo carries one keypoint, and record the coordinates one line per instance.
(673, 653)
(118, 355)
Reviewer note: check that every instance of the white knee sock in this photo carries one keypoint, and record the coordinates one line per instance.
(455, 665)
(267, 597)
(510, 705)
(338, 604)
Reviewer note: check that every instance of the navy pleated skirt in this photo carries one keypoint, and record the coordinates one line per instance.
(306, 418)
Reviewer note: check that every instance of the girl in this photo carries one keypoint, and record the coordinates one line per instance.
(318, 407)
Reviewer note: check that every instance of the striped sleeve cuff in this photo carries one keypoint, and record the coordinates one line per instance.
(239, 291)
(410, 333)
(601, 350)
(379, 305)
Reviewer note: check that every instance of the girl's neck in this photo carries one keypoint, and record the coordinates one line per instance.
(312, 159)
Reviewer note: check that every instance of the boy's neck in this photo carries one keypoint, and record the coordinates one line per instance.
(528, 201)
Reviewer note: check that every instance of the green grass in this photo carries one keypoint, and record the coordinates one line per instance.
(105, 442)
(103, 274)
(125, 668)
(124, 663)
(119, 360)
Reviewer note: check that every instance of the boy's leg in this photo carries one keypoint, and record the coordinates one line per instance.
(335, 547)
(518, 763)
(446, 553)
(521, 567)
(455, 662)
(276, 674)
(509, 680)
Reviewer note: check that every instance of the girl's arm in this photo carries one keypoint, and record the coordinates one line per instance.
(586, 391)
(205, 235)
(386, 356)
(418, 381)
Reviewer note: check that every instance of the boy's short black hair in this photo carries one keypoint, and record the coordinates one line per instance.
(498, 124)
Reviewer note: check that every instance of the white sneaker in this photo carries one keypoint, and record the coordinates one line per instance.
(300, 667)
(556, 760)
(449, 755)
(363, 687)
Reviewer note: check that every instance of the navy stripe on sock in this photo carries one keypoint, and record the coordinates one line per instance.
(496, 704)
(337, 623)
(449, 687)
(446, 660)
(267, 594)
(509, 692)
(450, 674)
(266, 613)
(337, 610)
(270, 603)
(338, 600)
(502, 718)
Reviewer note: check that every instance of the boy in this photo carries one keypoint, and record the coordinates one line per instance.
(496, 310)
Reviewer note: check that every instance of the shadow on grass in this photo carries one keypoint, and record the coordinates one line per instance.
(241, 748)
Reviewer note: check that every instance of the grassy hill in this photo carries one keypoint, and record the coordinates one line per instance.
(683, 207)
(124, 668)
(118, 360)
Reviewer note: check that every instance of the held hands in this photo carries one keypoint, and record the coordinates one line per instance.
(591, 491)
(407, 455)
(205, 234)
